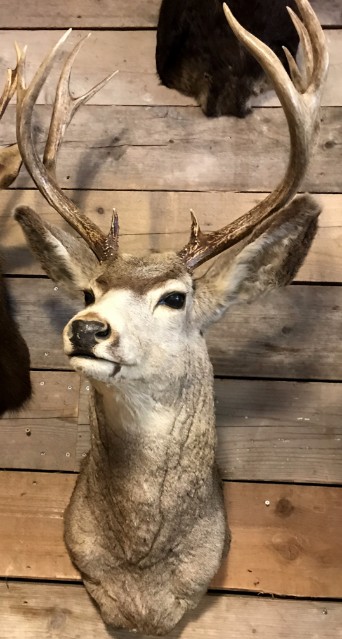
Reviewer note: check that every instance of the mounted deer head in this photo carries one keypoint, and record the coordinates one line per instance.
(15, 387)
(199, 55)
(146, 523)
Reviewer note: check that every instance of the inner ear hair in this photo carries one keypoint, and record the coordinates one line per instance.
(298, 222)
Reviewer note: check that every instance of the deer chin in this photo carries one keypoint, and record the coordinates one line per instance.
(96, 367)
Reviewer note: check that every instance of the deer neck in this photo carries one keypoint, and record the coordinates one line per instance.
(159, 409)
(151, 468)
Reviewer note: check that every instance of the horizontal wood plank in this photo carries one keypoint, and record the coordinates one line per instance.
(163, 224)
(267, 430)
(54, 394)
(290, 547)
(48, 611)
(89, 15)
(31, 444)
(161, 148)
(133, 54)
(44, 433)
(293, 333)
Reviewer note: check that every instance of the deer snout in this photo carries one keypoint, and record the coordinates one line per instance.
(84, 334)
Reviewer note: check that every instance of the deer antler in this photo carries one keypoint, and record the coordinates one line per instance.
(300, 98)
(43, 172)
(10, 159)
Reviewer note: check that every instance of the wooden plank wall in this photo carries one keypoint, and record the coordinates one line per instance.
(150, 153)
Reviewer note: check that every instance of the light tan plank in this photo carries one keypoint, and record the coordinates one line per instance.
(133, 54)
(48, 611)
(293, 333)
(109, 14)
(151, 148)
(291, 547)
(162, 223)
(287, 547)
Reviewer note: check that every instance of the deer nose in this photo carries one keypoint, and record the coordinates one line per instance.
(85, 334)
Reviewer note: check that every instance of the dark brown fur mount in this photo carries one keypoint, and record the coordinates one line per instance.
(15, 385)
(198, 54)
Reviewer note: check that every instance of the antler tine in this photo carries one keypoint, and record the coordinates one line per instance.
(10, 158)
(300, 100)
(41, 175)
(65, 107)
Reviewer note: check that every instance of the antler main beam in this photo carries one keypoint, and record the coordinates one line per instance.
(43, 172)
(300, 98)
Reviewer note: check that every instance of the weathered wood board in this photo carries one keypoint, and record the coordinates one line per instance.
(267, 430)
(44, 434)
(53, 611)
(133, 54)
(87, 14)
(291, 547)
(292, 333)
(120, 147)
(157, 221)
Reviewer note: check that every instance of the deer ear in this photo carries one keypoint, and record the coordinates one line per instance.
(67, 260)
(270, 259)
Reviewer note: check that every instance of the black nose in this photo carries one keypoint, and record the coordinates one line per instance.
(85, 334)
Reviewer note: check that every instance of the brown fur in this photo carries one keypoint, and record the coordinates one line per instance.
(15, 386)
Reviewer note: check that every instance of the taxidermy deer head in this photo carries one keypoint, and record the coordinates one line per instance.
(200, 56)
(146, 524)
(15, 387)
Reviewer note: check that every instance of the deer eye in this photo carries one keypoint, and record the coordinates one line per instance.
(173, 300)
(89, 297)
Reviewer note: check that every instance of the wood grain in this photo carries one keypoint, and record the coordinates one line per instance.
(162, 223)
(43, 434)
(291, 547)
(267, 430)
(54, 394)
(293, 333)
(86, 14)
(52, 611)
(133, 54)
(162, 148)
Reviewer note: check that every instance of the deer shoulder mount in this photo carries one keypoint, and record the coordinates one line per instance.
(15, 387)
(199, 56)
(146, 523)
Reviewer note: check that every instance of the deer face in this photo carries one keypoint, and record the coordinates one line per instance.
(137, 320)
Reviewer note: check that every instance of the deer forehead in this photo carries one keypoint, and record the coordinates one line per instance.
(141, 274)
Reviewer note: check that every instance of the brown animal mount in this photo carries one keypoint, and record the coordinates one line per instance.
(15, 387)
(146, 524)
(199, 55)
